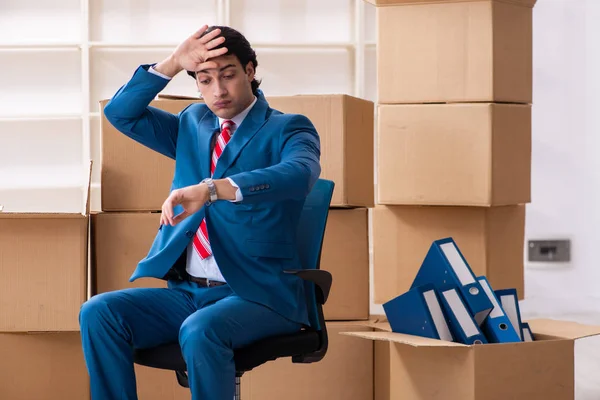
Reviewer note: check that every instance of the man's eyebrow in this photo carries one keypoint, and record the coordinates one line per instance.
(220, 70)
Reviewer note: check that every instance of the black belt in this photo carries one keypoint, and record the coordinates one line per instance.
(205, 282)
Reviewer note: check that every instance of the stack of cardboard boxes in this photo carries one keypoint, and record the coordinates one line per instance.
(454, 160)
(135, 183)
(454, 137)
(43, 282)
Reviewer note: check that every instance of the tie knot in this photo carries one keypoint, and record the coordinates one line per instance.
(227, 124)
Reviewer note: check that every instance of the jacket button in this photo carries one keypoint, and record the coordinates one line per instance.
(189, 234)
(267, 186)
(252, 189)
(262, 187)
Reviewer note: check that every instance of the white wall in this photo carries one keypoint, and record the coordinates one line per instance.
(566, 174)
(565, 177)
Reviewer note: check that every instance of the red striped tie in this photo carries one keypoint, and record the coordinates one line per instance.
(201, 243)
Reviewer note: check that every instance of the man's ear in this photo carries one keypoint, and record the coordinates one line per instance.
(250, 71)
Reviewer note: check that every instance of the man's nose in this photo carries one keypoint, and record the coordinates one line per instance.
(220, 89)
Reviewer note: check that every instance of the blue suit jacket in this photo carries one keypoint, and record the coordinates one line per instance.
(272, 157)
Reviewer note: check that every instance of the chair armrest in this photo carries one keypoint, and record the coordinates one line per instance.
(319, 277)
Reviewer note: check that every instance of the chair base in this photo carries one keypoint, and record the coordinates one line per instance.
(183, 380)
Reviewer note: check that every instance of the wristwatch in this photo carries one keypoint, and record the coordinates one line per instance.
(212, 190)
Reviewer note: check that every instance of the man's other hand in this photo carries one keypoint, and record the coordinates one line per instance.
(191, 198)
(194, 53)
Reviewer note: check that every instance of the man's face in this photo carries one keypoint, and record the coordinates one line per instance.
(226, 89)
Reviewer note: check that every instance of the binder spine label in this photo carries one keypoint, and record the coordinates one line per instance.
(437, 315)
(458, 264)
(460, 312)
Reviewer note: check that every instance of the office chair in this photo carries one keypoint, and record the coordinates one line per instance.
(307, 346)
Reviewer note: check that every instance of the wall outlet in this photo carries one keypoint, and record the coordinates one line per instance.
(549, 250)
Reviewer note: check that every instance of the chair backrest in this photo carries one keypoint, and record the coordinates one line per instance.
(309, 238)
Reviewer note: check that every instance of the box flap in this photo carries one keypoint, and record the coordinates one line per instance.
(380, 3)
(84, 184)
(411, 340)
(563, 329)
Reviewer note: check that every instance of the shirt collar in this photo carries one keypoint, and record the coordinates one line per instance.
(237, 120)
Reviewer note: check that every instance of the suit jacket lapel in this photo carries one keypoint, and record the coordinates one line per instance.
(208, 126)
(242, 135)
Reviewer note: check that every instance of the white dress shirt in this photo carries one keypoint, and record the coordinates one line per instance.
(208, 268)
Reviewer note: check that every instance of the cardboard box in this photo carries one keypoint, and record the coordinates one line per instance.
(454, 154)
(491, 239)
(346, 255)
(50, 366)
(135, 178)
(417, 368)
(121, 240)
(159, 384)
(454, 51)
(42, 366)
(346, 372)
(43, 264)
(346, 127)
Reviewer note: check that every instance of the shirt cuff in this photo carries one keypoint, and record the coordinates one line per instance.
(238, 192)
(155, 72)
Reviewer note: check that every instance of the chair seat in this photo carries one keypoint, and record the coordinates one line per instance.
(169, 356)
(304, 342)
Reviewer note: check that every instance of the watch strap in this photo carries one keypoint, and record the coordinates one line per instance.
(212, 190)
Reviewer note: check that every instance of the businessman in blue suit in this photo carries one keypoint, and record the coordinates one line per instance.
(227, 229)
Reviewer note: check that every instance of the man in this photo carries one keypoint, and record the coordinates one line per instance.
(227, 230)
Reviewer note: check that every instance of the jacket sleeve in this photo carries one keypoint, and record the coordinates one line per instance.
(294, 176)
(129, 112)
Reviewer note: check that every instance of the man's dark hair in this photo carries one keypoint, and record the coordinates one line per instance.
(238, 45)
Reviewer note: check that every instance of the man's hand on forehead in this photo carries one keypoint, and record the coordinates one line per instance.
(194, 53)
